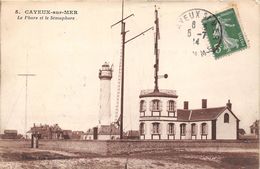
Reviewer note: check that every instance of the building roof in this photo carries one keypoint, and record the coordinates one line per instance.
(89, 132)
(105, 130)
(10, 131)
(201, 114)
(45, 128)
(160, 93)
(108, 129)
(255, 124)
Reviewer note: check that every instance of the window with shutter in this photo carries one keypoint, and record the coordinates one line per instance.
(155, 128)
(193, 129)
(183, 129)
(142, 128)
(145, 129)
(142, 106)
(171, 129)
(160, 106)
(171, 105)
(204, 129)
(151, 105)
(155, 105)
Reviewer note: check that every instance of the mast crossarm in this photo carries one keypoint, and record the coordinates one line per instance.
(26, 74)
(151, 28)
(122, 20)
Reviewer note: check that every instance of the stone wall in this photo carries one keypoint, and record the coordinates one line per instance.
(115, 147)
(119, 147)
(84, 146)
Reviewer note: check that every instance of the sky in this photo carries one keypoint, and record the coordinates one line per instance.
(67, 55)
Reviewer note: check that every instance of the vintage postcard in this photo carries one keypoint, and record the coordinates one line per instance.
(130, 84)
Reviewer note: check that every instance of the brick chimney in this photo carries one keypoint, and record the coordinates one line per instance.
(229, 105)
(186, 105)
(204, 103)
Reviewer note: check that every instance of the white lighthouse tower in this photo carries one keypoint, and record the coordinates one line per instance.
(105, 76)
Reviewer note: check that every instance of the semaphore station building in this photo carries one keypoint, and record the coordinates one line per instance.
(161, 120)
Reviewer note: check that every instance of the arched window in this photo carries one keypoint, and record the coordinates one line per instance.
(171, 128)
(142, 128)
(183, 129)
(156, 105)
(204, 129)
(193, 129)
(155, 128)
(171, 105)
(226, 118)
(142, 105)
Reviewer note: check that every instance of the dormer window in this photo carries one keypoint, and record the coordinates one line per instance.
(142, 106)
(156, 105)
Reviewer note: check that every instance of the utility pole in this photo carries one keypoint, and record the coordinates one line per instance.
(26, 98)
(123, 34)
(26, 75)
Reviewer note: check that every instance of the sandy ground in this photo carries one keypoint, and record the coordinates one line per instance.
(99, 163)
(26, 158)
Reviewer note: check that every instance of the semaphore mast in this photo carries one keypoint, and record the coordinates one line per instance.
(156, 51)
(124, 41)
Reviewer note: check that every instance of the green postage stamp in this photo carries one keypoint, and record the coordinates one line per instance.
(224, 33)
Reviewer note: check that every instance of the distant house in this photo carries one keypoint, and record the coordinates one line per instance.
(254, 128)
(47, 132)
(77, 134)
(67, 134)
(88, 135)
(10, 134)
(103, 132)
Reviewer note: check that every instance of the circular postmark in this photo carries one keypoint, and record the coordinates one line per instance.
(194, 25)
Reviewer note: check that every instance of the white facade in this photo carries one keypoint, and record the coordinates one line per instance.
(156, 110)
(164, 132)
(163, 121)
(226, 130)
(105, 76)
